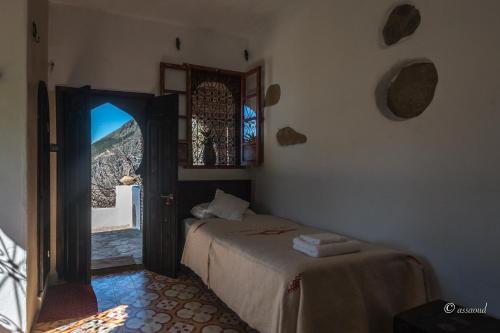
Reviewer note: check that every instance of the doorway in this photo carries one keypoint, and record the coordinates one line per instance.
(138, 151)
(117, 149)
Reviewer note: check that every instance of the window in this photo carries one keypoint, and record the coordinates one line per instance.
(219, 115)
(214, 102)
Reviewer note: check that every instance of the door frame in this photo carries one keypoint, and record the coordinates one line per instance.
(133, 103)
(43, 186)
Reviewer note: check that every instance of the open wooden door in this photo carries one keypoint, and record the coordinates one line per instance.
(160, 190)
(73, 194)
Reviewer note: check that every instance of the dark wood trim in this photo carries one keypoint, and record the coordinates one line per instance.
(255, 94)
(214, 167)
(253, 71)
(119, 94)
(260, 118)
(43, 186)
(162, 78)
(189, 119)
(178, 92)
(60, 258)
(216, 70)
(118, 269)
(166, 65)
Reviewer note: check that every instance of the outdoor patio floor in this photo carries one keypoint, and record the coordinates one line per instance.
(116, 248)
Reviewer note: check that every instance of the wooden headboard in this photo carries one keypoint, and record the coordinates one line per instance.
(193, 192)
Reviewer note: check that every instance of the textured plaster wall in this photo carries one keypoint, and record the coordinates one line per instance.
(429, 185)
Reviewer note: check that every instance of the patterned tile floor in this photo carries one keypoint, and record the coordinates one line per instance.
(117, 244)
(141, 301)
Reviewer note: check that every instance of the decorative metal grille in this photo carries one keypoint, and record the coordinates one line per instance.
(215, 117)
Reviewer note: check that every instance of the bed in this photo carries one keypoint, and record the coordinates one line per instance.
(252, 267)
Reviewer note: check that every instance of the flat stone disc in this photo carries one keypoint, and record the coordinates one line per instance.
(411, 92)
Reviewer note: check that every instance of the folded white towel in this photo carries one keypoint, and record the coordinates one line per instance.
(324, 238)
(327, 250)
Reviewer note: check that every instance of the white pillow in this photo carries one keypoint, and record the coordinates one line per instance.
(228, 206)
(201, 211)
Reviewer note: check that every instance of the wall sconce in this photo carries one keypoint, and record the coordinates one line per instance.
(178, 44)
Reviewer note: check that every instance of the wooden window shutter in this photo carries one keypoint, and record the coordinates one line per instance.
(252, 118)
(173, 80)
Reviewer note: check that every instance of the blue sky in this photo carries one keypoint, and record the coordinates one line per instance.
(105, 119)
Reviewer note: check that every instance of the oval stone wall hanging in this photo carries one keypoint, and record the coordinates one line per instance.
(273, 95)
(412, 90)
(402, 22)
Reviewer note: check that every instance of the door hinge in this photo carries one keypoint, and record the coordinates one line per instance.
(48, 254)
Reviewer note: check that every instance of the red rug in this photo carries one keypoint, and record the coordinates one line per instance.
(66, 301)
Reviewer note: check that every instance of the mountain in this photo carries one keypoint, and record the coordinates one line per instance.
(129, 130)
(116, 155)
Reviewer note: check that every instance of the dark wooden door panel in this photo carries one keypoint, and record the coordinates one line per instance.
(74, 184)
(160, 216)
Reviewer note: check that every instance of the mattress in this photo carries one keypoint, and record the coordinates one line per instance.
(252, 267)
(187, 223)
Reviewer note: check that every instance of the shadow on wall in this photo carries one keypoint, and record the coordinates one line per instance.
(12, 285)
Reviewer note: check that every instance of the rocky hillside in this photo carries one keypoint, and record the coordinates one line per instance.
(116, 155)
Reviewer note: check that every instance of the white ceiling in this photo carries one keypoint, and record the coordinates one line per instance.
(236, 17)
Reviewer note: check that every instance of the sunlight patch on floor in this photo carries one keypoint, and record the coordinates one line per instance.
(107, 321)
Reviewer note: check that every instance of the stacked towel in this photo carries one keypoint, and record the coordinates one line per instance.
(324, 238)
(328, 249)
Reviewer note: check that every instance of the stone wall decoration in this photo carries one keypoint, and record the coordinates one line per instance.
(288, 136)
(412, 90)
(402, 22)
(273, 95)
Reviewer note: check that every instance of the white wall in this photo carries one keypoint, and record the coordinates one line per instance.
(120, 216)
(37, 70)
(13, 168)
(115, 52)
(430, 185)
(22, 64)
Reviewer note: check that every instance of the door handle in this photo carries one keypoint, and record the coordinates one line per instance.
(169, 199)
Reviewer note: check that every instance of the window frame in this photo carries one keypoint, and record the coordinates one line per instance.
(185, 146)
